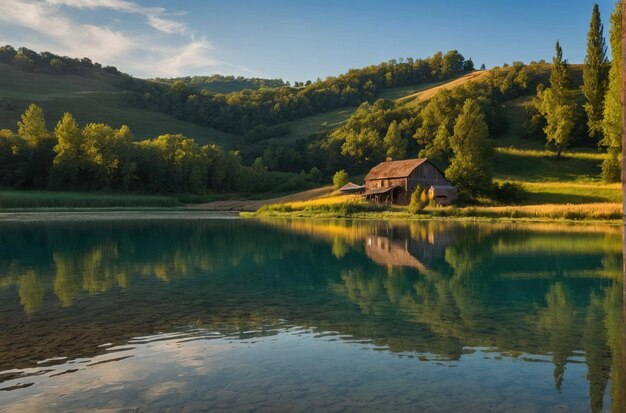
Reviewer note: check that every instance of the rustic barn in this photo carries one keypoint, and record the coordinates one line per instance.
(351, 188)
(442, 195)
(393, 182)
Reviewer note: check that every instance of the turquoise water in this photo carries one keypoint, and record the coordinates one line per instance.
(270, 316)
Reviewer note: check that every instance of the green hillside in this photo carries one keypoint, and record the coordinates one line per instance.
(95, 98)
(327, 121)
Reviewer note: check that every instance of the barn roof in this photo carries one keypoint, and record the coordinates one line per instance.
(394, 169)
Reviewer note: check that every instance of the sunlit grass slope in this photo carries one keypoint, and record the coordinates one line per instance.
(323, 122)
(91, 99)
(575, 178)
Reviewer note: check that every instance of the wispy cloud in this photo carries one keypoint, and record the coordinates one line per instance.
(72, 38)
(196, 56)
(59, 30)
(153, 15)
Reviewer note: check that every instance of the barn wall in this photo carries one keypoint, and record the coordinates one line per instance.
(384, 183)
(426, 175)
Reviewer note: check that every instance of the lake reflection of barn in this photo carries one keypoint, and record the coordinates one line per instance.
(398, 247)
(385, 251)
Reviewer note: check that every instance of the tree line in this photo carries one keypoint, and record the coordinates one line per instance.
(225, 84)
(46, 62)
(98, 157)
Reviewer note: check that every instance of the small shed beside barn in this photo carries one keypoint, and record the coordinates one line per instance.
(351, 188)
(394, 182)
(442, 195)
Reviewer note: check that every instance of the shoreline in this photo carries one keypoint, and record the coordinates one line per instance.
(184, 212)
(394, 216)
(112, 214)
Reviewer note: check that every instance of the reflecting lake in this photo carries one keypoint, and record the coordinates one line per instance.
(188, 315)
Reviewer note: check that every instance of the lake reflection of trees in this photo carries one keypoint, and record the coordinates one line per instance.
(428, 287)
(541, 289)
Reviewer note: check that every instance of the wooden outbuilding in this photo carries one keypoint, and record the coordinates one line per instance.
(394, 182)
(442, 195)
(351, 188)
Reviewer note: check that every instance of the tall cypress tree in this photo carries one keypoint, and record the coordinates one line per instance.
(612, 122)
(595, 74)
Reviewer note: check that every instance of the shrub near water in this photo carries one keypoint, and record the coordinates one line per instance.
(417, 203)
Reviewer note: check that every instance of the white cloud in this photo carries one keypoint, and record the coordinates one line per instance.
(152, 14)
(167, 26)
(65, 36)
(178, 52)
(193, 56)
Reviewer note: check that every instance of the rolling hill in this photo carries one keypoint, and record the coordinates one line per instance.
(95, 98)
(98, 98)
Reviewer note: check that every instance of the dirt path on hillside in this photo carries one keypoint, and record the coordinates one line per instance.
(429, 93)
(253, 205)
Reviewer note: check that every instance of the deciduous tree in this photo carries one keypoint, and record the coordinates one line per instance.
(340, 178)
(470, 166)
(32, 127)
(395, 145)
(558, 105)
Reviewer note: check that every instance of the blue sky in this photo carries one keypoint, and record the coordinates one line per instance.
(294, 40)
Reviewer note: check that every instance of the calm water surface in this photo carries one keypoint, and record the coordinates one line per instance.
(271, 316)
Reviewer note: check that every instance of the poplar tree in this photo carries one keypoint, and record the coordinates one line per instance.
(612, 122)
(595, 73)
